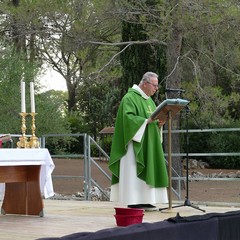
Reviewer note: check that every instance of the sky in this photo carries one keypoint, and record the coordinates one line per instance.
(53, 80)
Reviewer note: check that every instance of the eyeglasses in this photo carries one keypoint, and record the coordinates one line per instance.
(155, 85)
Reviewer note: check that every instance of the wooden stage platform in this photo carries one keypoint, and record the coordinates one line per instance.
(63, 217)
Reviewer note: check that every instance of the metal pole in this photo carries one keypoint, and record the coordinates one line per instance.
(89, 168)
(87, 177)
(169, 161)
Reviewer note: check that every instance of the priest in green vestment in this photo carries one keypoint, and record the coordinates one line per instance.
(137, 163)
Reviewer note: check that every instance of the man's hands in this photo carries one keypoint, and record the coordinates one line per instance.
(160, 122)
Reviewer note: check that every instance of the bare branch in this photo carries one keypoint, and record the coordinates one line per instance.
(174, 68)
(227, 69)
(114, 56)
(151, 41)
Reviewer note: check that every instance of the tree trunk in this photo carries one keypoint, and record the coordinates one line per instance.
(19, 38)
(71, 87)
(174, 81)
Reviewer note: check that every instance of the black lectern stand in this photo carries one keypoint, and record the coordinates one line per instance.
(166, 111)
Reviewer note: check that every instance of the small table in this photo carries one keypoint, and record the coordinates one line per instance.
(27, 177)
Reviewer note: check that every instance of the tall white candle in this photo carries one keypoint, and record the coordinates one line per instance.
(32, 97)
(23, 102)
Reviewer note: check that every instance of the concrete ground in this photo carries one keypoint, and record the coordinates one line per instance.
(63, 217)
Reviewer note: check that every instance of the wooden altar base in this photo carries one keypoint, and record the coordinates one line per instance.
(22, 190)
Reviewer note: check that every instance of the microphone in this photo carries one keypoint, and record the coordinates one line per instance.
(174, 90)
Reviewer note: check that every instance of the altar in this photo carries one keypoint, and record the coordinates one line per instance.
(25, 177)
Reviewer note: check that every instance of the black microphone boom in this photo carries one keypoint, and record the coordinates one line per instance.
(174, 90)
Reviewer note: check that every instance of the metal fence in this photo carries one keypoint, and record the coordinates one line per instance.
(190, 154)
(90, 161)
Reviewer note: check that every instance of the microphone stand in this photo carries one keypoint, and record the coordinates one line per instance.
(187, 201)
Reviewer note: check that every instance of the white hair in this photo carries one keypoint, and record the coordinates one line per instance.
(147, 77)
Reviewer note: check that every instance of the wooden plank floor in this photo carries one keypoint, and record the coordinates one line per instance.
(63, 217)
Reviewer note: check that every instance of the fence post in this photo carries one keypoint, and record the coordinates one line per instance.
(87, 167)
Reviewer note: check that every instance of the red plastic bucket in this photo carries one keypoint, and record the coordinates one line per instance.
(125, 220)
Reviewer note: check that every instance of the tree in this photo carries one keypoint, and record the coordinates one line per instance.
(211, 66)
(50, 117)
(138, 59)
(198, 41)
(98, 103)
(68, 48)
(194, 42)
(59, 33)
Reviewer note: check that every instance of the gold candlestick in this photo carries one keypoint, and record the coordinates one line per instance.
(23, 142)
(34, 143)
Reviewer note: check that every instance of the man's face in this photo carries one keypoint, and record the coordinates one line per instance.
(151, 86)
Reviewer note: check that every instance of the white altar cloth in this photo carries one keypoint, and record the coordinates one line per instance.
(36, 156)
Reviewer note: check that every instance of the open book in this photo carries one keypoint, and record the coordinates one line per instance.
(173, 105)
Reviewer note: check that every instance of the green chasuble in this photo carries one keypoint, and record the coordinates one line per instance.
(151, 166)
